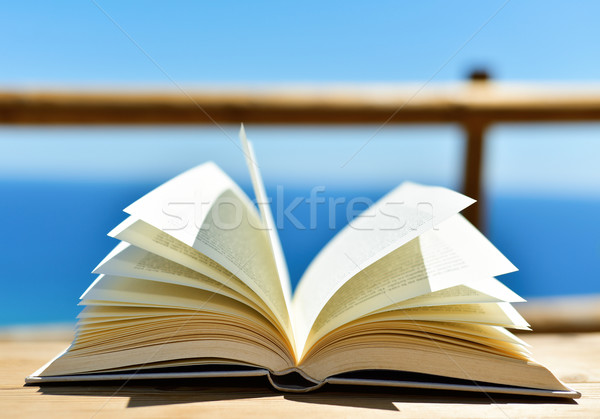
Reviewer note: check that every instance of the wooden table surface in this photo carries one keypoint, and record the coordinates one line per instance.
(574, 358)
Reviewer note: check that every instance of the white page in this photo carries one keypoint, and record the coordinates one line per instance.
(454, 255)
(488, 290)
(459, 237)
(400, 216)
(267, 216)
(110, 290)
(131, 261)
(460, 294)
(204, 209)
(499, 314)
(144, 236)
(180, 205)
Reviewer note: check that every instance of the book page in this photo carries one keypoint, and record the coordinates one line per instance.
(109, 290)
(434, 330)
(244, 250)
(453, 262)
(205, 210)
(130, 261)
(397, 218)
(212, 324)
(483, 291)
(267, 218)
(144, 236)
(329, 319)
(497, 314)
(266, 215)
(428, 356)
(458, 240)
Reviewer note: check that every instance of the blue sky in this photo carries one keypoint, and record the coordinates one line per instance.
(150, 44)
(68, 42)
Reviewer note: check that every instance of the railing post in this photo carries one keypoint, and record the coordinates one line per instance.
(474, 154)
(473, 167)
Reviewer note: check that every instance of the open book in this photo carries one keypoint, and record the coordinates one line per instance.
(405, 296)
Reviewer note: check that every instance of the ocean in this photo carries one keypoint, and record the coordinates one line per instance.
(55, 233)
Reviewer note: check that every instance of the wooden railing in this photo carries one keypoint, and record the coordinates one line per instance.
(475, 105)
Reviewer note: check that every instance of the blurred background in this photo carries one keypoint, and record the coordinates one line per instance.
(63, 188)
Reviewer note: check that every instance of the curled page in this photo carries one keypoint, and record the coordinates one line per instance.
(397, 218)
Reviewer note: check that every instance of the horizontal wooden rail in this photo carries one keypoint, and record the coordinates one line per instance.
(475, 105)
(486, 102)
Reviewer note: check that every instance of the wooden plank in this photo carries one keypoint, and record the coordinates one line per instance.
(575, 358)
(353, 104)
(580, 313)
